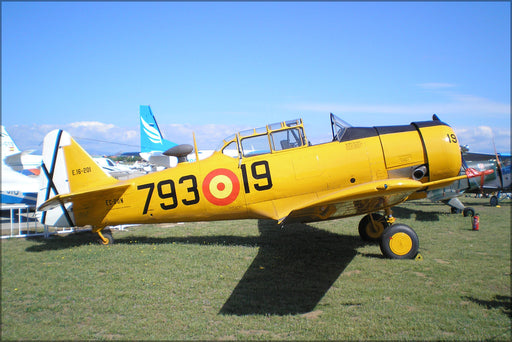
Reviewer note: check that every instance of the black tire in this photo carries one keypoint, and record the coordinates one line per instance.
(399, 241)
(493, 201)
(469, 212)
(372, 231)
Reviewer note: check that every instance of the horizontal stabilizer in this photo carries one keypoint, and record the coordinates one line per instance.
(90, 195)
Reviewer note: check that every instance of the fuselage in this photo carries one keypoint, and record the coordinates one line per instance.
(277, 168)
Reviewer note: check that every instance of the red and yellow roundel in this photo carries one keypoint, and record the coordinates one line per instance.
(221, 187)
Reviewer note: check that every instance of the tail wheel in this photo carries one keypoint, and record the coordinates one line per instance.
(399, 241)
(372, 226)
(105, 237)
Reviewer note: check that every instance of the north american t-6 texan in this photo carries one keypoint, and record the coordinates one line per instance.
(272, 172)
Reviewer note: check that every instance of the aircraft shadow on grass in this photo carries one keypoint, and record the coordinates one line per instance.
(498, 302)
(293, 270)
(420, 215)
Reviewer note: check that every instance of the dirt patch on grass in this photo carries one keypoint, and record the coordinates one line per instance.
(313, 314)
(349, 273)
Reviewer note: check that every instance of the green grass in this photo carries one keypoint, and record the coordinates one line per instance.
(251, 280)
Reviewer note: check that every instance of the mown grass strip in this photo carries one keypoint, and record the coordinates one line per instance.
(252, 280)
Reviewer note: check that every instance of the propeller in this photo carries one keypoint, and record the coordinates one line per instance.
(498, 163)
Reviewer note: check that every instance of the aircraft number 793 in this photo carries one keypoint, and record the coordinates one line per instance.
(166, 189)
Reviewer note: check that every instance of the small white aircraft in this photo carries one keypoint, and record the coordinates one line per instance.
(115, 170)
(24, 162)
(18, 188)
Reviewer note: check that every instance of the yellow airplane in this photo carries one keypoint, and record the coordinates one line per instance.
(276, 174)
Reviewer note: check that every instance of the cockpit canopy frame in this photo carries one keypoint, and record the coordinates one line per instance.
(271, 138)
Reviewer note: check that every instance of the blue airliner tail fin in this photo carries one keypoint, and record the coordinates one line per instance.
(151, 138)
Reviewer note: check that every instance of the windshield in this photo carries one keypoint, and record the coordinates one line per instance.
(229, 139)
(339, 127)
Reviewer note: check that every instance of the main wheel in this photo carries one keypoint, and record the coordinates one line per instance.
(372, 230)
(469, 212)
(399, 241)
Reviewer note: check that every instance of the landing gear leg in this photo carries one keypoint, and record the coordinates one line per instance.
(105, 237)
(389, 216)
(372, 226)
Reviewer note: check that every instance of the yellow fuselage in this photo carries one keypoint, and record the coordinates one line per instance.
(274, 183)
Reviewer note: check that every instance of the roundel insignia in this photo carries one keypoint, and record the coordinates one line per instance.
(221, 187)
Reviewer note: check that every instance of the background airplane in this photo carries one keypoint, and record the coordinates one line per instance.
(19, 169)
(154, 146)
(494, 174)
(152, 142)
(29, 164)
(24, 162)
(115, 170)
(18, 188)
(490, 173)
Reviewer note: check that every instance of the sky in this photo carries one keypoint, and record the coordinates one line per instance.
(215, 68)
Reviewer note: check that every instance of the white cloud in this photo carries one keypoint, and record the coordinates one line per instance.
(98, 138)
(92, 125)
(480, 138)
(95, 137)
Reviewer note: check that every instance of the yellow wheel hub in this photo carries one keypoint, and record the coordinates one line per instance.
(400, 243)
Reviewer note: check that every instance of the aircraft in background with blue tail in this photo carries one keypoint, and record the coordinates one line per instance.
(154, 148)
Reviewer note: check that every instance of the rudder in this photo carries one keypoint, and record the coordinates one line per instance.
(66, 168)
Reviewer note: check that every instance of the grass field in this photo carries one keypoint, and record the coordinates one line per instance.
(252, 280)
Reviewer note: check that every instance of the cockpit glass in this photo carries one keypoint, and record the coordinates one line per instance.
(231, 149)
(255, 145)
(339, 127)
(286, 139)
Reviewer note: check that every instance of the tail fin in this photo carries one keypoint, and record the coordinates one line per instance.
(151, 138)
(8, 145)
(66, 169)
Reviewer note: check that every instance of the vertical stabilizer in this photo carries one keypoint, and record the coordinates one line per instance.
(8, 145)
(151, 138)
(66, 168)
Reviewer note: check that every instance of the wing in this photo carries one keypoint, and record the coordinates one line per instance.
(359, 199)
